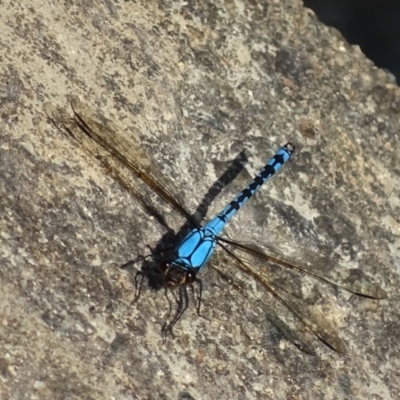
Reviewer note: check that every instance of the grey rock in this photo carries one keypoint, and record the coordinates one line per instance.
(200, 81)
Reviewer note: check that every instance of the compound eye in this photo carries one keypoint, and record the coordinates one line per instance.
(164, 266)
(190, 277)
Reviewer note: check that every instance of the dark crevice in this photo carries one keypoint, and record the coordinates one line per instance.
(373, 25)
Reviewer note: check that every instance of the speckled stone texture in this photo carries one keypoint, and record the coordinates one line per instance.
(201, 81)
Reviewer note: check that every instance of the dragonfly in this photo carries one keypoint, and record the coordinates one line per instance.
(123, 155)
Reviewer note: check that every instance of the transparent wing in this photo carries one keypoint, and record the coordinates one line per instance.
(296, 336)
(353, 280)
(97, 134)
(306, 312)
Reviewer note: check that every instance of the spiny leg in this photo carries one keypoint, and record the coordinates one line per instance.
(183, 303)
(164, 329)
(139, 277)
(199, 297)
(139, 258)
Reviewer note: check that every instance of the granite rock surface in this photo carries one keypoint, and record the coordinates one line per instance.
(200, 82)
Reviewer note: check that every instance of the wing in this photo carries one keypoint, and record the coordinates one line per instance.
(306, 312)
(98, 135)
(353, 280)
(297, 337)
